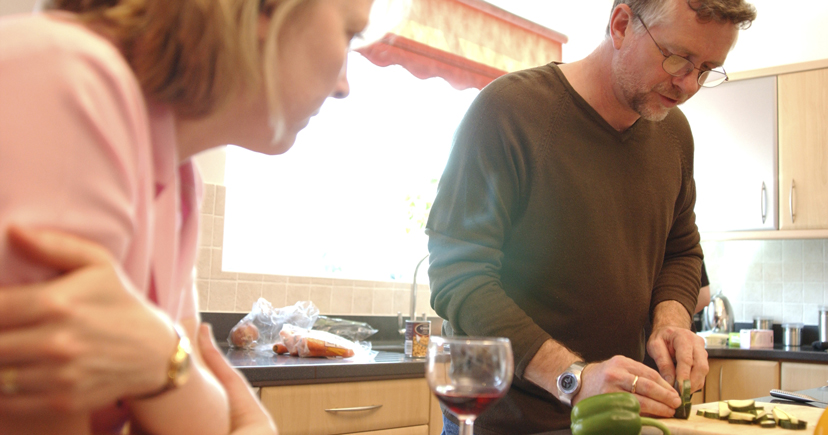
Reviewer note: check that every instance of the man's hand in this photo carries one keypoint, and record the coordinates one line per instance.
(671, 341)
(656, 396)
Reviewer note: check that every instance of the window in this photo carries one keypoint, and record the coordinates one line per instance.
(350, 199)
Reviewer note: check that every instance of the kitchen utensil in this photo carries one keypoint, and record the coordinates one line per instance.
(468, 375)
(796, 397)
(792, 334)
(823, 323)
(760, 322)
(718, 315)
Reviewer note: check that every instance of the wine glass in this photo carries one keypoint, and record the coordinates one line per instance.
(469, 374)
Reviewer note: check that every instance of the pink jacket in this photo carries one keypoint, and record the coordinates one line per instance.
(81, 150)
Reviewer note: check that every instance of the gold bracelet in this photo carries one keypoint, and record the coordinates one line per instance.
(178, 370)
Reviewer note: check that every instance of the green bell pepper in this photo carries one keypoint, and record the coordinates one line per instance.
(611, 414)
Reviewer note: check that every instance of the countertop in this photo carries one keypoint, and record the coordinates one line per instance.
(806, 354)
(265, 368)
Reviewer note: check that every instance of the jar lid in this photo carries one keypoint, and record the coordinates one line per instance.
(792, 325)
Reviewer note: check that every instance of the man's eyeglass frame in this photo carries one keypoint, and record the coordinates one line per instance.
(677, 66)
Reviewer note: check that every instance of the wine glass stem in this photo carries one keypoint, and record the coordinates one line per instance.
(467, 426)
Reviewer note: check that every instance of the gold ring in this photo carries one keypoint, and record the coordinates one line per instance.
(635, 381)
(8, 381)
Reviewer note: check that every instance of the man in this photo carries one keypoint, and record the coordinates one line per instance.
(564, 218)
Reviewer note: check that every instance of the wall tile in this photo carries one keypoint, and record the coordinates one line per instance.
(812, 293)
(773, 311)
(320, 295)
(203, 288)
(299, 280)
(252, 277)
(752, 309)
(810, 315)
(772, 272)
(402, 302)
(383, 301)
(247, 293)
(752, 292)
(275, 278)
(772, 251)
(342, 300)
(812, 272)
(203, 267)
(362, 300)
(792, 272)
(792, 292)
(218, 231)
(208, 203)
(754, 272)
(792, 313)
(221, 194)
(812, 251)
(222, 296)
(296, 293)
(275, 293)
(792, 251)
(772, 292)
(205, 236)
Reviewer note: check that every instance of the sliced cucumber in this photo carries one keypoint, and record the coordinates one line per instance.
(767, 423)
(686, 394)
(741, 405)
(741, 418)
(724, 410)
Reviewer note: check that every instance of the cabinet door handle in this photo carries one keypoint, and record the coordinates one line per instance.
(721, 376)
(792, 202)
(764, 201)
(354, 409)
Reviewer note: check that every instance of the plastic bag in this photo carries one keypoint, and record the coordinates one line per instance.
(308, 343)
(260, 327)
(354, 331)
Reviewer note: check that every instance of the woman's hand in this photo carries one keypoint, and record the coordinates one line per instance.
(81, 341)
(247, 416)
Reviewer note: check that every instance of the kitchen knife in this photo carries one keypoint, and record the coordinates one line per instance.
(796, 397)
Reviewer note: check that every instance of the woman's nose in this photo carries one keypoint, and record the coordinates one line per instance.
(342, 89)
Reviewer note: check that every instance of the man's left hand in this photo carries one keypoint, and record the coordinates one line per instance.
(670, 343)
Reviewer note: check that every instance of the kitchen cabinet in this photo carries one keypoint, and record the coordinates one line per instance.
(740, 379)
(803, 376)
(803, 149)
(435, 421)
(735, 166)
(398, 407)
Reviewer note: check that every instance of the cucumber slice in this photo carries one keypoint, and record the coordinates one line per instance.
(768, 423)
(741, 405)
(686, 394)
(724, 410)
(741, 418)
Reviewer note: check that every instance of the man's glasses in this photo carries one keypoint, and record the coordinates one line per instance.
(678, 66)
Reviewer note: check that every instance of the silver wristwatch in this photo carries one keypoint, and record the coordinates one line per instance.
(569, 382)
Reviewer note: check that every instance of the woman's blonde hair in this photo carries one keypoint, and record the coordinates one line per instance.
(193, 54)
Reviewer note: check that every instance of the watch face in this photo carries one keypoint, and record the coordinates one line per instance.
(568, 382)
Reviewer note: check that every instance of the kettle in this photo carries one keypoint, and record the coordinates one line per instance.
(718, 315)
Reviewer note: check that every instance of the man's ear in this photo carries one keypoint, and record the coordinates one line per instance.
(620, 22)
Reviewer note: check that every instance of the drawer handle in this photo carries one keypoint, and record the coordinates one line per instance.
(354, 409)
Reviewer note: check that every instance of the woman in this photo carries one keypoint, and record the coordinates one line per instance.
(103, 104)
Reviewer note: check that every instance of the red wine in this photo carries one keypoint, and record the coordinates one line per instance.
(469, 403)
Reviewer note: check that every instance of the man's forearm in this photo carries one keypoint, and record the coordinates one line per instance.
(550, 361)
(671, 313)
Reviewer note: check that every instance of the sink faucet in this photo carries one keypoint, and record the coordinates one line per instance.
(413, 316)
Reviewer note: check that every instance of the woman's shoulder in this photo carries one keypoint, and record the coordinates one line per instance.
(57, 40)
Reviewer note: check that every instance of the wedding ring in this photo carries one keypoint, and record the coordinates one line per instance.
(8, 381)
(635, 381)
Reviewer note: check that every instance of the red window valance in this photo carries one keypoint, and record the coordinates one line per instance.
(469, 43)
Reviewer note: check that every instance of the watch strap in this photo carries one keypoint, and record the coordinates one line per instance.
(569, 382)
(178, 367)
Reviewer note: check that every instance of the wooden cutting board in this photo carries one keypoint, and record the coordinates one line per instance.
(706, 426)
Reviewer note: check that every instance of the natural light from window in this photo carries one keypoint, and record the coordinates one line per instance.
(350, 199)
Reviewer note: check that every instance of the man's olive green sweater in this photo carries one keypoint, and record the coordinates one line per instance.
(548, 222)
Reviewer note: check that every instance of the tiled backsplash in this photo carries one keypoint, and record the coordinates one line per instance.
(784, 279)
(228, 291)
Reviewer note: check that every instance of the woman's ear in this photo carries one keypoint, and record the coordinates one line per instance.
(620, 22)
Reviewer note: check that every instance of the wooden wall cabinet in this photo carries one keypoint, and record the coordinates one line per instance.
(393, 407)
(803, 150)
(803, 376)
(740, 379)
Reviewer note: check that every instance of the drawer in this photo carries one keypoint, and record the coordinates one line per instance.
(347, 407)
(415, 430)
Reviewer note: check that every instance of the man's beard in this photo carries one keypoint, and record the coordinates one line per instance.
(643, 100)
